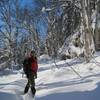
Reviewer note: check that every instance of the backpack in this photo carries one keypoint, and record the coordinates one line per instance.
(27, 65)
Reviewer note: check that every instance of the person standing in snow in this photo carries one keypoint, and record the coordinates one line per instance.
(30, 68)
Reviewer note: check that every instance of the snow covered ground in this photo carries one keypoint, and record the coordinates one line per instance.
(60, 82)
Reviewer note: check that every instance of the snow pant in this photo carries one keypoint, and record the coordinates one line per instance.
(30, 84)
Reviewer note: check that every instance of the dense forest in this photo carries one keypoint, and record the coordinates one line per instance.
(47, 26)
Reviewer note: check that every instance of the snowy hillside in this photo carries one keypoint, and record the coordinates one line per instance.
(67, 80)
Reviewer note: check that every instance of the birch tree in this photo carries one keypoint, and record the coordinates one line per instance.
(97, 25)
(88, 35)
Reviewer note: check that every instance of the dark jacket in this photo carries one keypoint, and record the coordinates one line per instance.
(30, 66)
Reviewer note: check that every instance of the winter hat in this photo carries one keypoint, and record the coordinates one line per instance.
(33, 53)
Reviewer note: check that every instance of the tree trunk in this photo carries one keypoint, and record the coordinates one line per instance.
(97, 28)
(87, 31)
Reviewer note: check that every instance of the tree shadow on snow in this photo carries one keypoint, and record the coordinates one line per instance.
(9, 96)
(20, 83)
(87, 95)
(75, 81)
(61, 84)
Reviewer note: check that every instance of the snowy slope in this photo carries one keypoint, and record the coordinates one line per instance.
(58, 82)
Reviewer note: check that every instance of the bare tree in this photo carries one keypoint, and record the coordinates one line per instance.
(63, 19)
